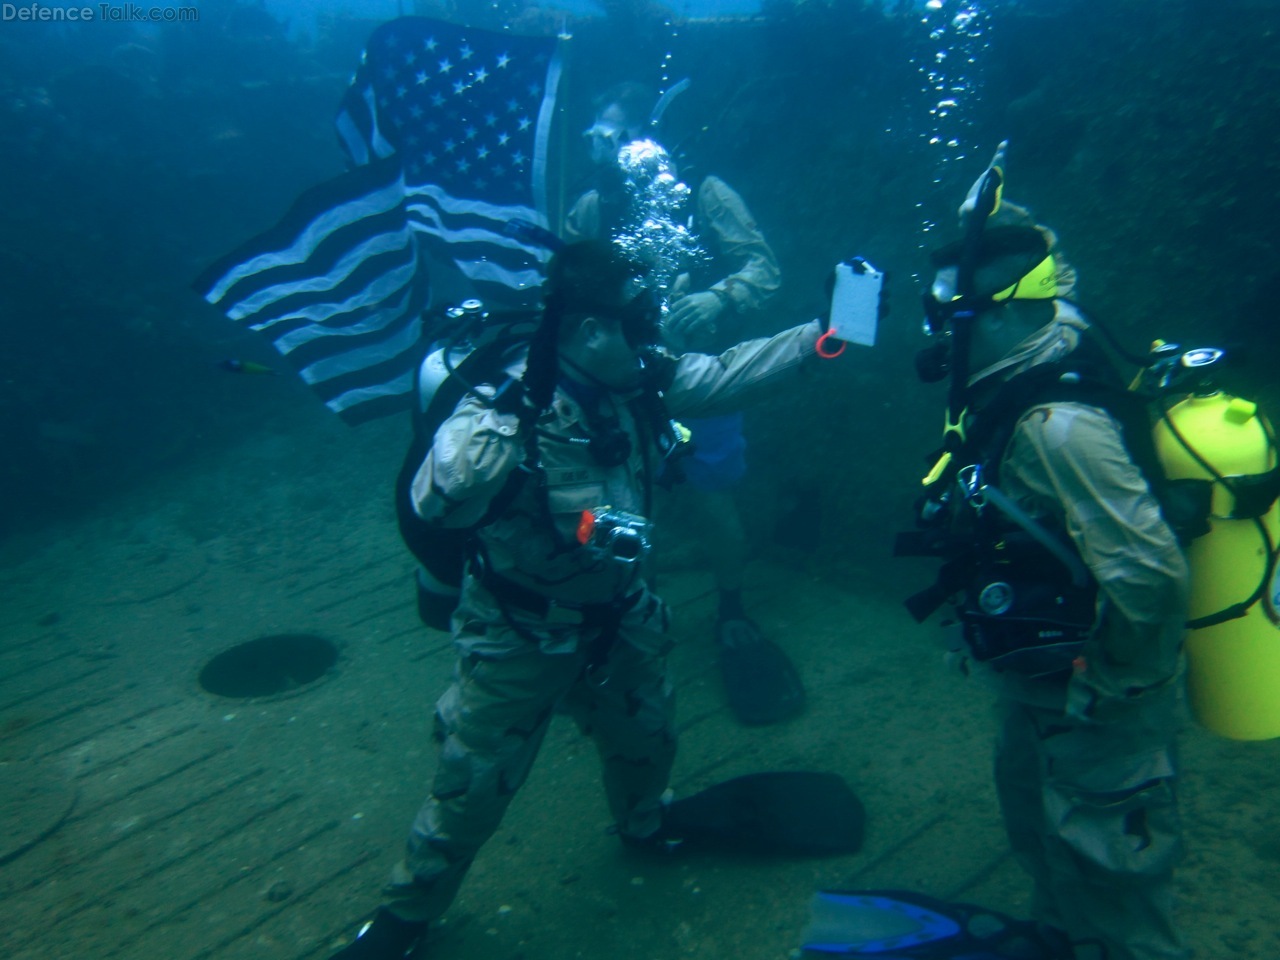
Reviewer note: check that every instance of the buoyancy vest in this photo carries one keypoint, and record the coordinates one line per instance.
(446, 375)
(1024, 597)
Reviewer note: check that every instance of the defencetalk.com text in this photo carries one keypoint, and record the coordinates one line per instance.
(112, 12)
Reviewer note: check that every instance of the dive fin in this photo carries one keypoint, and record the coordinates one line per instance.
(789, 812)
(760, 681)
(868, 922)
(899, 924)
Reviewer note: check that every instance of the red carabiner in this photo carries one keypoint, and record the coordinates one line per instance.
(821, 346)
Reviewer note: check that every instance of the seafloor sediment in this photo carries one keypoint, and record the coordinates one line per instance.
(207, 827)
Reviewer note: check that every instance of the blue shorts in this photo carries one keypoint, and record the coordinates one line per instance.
(719, 458)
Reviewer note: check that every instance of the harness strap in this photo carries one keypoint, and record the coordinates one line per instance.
(605, 617)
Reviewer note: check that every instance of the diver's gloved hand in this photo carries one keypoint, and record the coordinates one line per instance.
(693, 317)
(971, 198)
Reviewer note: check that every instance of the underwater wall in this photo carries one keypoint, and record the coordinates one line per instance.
(1144, 133)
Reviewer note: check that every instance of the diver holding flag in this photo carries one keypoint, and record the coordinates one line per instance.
(545, 466)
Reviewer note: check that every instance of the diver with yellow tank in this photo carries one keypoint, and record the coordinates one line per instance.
(1068, 582)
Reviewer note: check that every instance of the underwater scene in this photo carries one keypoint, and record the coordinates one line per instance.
(848, 423)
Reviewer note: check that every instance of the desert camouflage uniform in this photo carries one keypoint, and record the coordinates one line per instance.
(742, 270)
(1085, 770)
(747, 272)
(519, 660)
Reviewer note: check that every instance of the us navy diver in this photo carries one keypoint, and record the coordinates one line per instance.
(553, 468)
(732, 273)
(1071, 584)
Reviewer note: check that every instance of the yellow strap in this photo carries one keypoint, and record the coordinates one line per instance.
(938, 469)
(957, 426)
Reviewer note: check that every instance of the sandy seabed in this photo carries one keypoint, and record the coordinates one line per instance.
(145, 817)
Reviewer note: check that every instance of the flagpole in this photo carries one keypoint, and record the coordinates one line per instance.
(562, 175)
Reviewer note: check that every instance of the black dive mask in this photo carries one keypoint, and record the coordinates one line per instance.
(936, 314)
(939, 315)
(934, 363)
(641, 318)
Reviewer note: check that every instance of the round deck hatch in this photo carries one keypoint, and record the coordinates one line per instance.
(269, 666)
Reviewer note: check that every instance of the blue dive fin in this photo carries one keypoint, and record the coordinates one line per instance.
(901, 925)
(867, 923)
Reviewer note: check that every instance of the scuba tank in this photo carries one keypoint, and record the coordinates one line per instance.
(474, 347)
(1233, 648)
(468, 319)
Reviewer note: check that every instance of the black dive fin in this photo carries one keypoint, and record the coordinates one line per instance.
(760, 681)
(794, 813)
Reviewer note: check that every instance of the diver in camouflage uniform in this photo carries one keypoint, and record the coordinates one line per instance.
(556, 610)
(1085, 759)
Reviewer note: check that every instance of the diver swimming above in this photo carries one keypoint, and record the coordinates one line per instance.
(713, 269)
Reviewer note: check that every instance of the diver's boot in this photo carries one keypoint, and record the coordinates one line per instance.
(662, 841)
(386, 938)
(658, 842)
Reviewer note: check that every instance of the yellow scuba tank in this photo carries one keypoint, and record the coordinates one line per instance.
(1233, 662)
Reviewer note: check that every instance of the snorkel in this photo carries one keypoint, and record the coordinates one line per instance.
(956, 308)
(982, 202)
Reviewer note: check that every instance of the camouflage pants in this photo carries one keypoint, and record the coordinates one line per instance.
(491, 722)
(1091, 814)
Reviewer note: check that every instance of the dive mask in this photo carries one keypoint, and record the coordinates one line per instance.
(639, 315)
(606, 140)
(1013, 263)
(641, 319)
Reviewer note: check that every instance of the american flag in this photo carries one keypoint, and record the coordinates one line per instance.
(447, 129)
